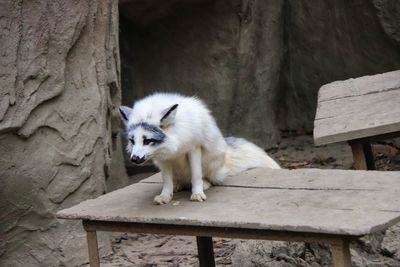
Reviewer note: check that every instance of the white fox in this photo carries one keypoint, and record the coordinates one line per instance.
(182, 138)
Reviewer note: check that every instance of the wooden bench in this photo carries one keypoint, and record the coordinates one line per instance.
(327, 206)
(359, 111)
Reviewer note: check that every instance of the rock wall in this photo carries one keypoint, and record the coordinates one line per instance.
(258, 64)
(59, 87)
(333, 40)
(227, 52)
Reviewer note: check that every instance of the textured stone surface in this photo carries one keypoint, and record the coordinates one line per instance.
(227, 52)
(328, 41)
(59, 86)
(270, 253)
(364, 253)
(391, 242)
(258, 64)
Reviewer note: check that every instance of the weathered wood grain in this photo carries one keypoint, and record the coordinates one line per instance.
(93, 251)
(320, 208)
(358, 108)
(360, 86)
(312, 179)
(341, 254)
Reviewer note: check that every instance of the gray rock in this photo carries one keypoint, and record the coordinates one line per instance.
(227, 52)
(364, 253)
(59, 86)
(389, 17)
(329, 41)
(391, 242)
(257, 73)
(270, 253)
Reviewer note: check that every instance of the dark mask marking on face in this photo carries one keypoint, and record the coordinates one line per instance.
(157, 134)
(151, 141)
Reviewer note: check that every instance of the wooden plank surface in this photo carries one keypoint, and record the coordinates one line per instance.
(312, 179)
(360, 86)
(358, 108)
(304, 201)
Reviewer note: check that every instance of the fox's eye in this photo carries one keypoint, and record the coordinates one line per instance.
(149, 141)
(132, 141)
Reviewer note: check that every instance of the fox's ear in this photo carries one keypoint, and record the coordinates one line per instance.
(168, 115)
(125, 113)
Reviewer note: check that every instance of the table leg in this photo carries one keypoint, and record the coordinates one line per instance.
(369, 156)
(363, 156)
(94, 258)
(341, 254)
(206, 251)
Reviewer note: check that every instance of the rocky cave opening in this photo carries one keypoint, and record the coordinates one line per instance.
(257, 64)
(178, 46)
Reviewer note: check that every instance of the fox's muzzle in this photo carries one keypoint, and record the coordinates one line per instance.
(138, 160)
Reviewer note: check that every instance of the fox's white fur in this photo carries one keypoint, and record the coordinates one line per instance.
(182, 138)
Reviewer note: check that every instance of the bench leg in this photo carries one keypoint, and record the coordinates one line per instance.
(94, 258)
(363, 156)
(205, 250)
(369, 156)
(341, 254)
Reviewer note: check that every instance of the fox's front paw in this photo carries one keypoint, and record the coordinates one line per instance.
(162, 199)
(199, 197)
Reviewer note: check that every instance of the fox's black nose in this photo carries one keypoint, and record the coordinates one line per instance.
(137, 159)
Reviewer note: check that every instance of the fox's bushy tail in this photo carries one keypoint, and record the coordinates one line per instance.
(242, 155)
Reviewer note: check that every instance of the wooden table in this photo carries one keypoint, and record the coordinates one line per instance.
(359, 111)
(330, 206)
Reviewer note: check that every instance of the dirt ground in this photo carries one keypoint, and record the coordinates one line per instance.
(292, 152)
